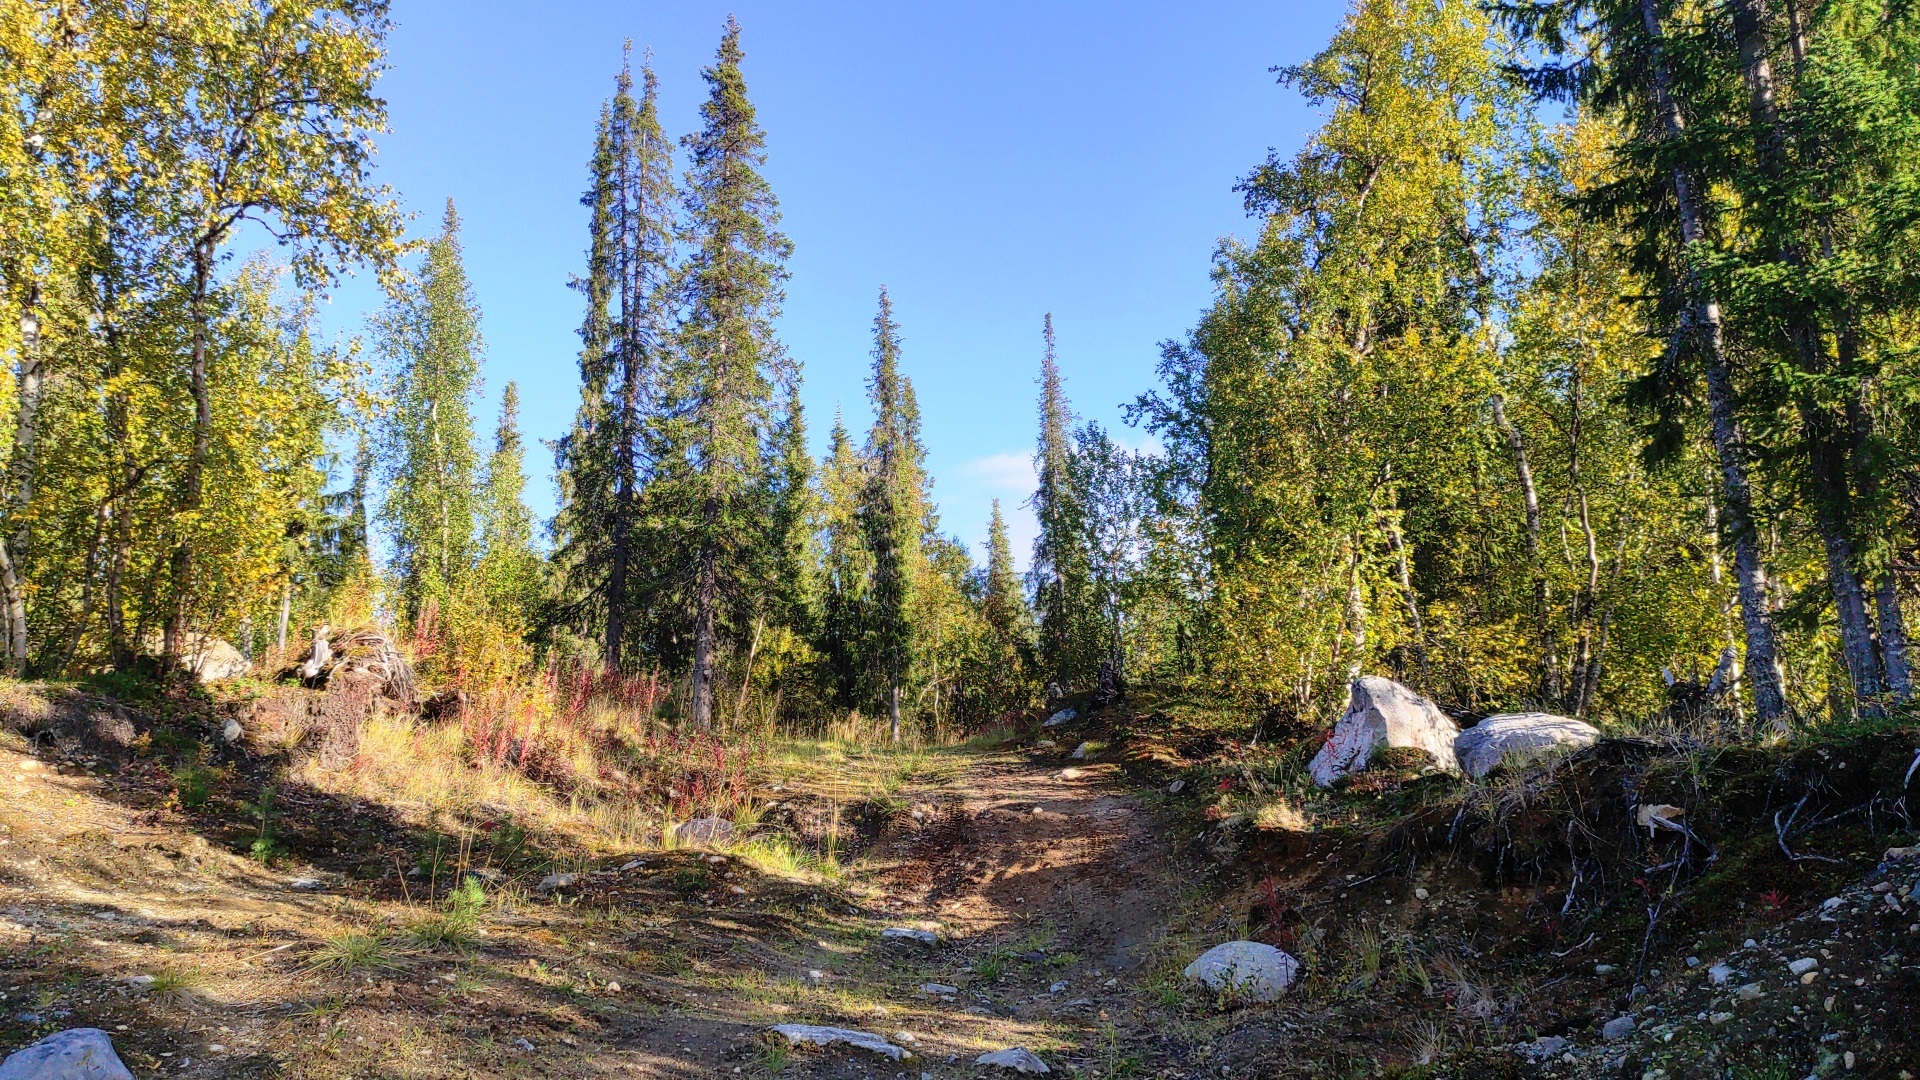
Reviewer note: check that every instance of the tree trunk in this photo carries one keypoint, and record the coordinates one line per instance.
(1829, 446)
(286, 613)
(16, 613)
(30, 391)
(1542, 596)
(1729, 441)
(1356, 611)
(193, 478)
(1893, 637)
(746, 679)
(1404, 573)
(706, 603)
(893, 714)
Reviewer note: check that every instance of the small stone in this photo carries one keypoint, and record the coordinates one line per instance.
(1750, 992)
(1693, 961)
(908, 936)
(1045, 744)
(232, 731)
(1064, 716)
(938, 989)
(1719, 974)
(1080, 752)
(613, 987)
(304, 883)
(1831, 903)
(1720, 1018)
(1803, 965)
(1176, 787)
(1058, 988)
(1421, 894)
(139, 984)
(1848, 1058)
(523, 1045)
(1604, 969)
(557, 881)
(1808, 978)
(737, 890)
(1111, 983)
(1617, 1028)
(1749, 944)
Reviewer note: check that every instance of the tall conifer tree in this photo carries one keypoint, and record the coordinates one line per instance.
(1008, 619)
(846, 565)
(1070, 641)
(509, 565)
(430, 333)
(603, 461)
(893, 513)
(722, 393)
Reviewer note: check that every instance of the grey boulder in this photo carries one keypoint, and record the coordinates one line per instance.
(1383, 713)
(1018, 1058)
(703, 832)
(905, 935)
(73, 1054)
(1515, 738)
(1064, 716)
(797, 1034)
(1248, 968)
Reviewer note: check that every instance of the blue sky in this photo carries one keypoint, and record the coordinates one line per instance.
(989, 162)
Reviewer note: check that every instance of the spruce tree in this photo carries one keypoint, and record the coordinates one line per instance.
(1625, 57)
(430, 334)
(722, 393)
(509, 565)
(1008, 619)
(893, 514)
(1069, 633)
(603, 461)
(846, 567)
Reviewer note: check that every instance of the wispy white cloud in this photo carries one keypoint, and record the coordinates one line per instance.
(968, 489)
(1009, 473)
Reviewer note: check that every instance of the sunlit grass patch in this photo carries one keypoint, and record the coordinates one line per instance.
(356, 950)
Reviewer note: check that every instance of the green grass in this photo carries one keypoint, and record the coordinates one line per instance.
(355, 950)
(456, 922)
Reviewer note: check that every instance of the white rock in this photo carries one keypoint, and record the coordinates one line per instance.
(1176, 787)
(1517, 737)
(1080, 752)
(938, 989)
(232, 731)
(1058, 988)
(1604, 969)
(1803, 965)
(1421, 894)
(703, 831)
(1017, 1058)
(909, 936)
(1617, 1028)
(1064, 716)
(1258, 971)
(797, 1034)
(138, 984)
(1380, 713)
(557, 881)
(305, 884)
(73, 1054)
(1719, 974)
